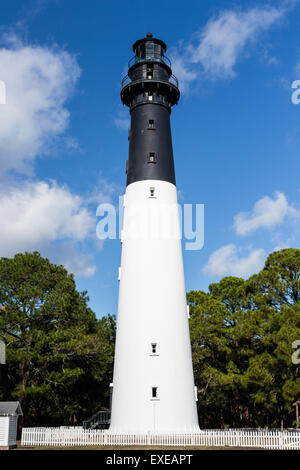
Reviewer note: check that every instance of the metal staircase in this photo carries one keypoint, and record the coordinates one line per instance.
(101, 417)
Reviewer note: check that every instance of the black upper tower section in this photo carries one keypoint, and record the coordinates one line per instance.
(149, 74)
(150, 90)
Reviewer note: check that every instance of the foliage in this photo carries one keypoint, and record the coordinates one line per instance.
(242, 333)
(59, 356)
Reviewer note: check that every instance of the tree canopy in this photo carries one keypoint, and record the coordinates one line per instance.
(59, 356)
(242, 333)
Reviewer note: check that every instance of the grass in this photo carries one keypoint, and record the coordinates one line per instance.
(120, 448)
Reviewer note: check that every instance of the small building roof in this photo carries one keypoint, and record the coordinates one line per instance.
(10, 408)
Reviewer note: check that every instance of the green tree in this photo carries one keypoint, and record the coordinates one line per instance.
(59, 356)
(242, 333)
(209, 338)
(272, 378)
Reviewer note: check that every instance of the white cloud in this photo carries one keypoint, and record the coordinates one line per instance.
(122, 124)
(226, 261)
(223, 38)
(266, 213)
(38, 215)
(38, 81)
(289, 243)
(65, 253)
(122, 121)
(104, 192)
(221, 42)
(181, 71)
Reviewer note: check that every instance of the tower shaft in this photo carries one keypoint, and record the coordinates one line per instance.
(153, 375)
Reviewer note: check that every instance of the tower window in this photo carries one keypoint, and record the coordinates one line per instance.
(152, 157)
(152, 192)
(151, 124)
(153, 348)
(149, 73)
(154, 392)
(150, 96)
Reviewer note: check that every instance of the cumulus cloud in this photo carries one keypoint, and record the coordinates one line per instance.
(223, 38)
(39, 80)
(181, 70)
(227, 261)
(122, 121)
(218, 46)
(266, 213)
(74, 260)
(288, 243)
(38, 215)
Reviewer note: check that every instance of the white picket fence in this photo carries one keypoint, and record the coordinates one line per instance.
(77, 436)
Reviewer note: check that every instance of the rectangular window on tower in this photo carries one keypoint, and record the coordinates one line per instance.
(154, 349)
(154, 393)
(149, 73)
(151, 124)
(150, 96)
(152, 157)
(152, 192)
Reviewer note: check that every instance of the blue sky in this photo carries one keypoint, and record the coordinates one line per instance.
(63, 130)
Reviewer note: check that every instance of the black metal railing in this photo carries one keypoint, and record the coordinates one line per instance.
(127, 80)
(101, 417)
(152, 58)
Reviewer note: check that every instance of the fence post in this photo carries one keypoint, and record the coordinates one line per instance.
(281, 443)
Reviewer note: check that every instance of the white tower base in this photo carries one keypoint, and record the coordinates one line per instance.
(153, 376)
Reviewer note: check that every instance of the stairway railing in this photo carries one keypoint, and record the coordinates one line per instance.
(101, 417)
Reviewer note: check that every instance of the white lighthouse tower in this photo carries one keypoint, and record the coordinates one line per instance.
(153, 383)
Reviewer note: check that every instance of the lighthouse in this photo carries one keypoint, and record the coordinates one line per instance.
(153, 382)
